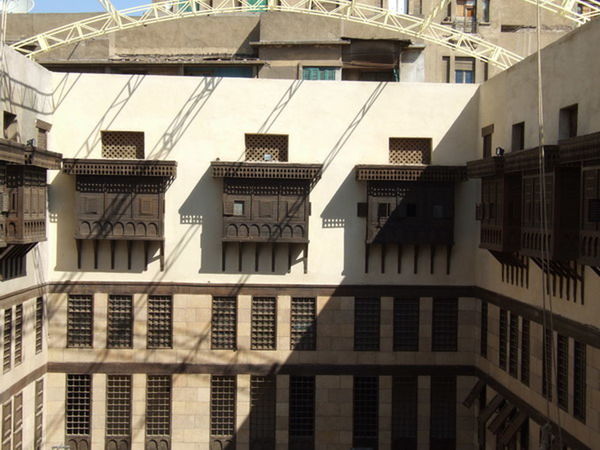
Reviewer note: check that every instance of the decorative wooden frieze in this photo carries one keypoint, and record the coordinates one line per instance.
(17, 153)
(580, 149)
(410, 173)
(486, 167)
(529, 160)
(278, 170)
(141, 168)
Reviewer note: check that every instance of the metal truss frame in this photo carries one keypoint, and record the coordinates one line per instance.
(578, 11)
(404, 24)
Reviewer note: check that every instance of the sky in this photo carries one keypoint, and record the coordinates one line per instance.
(44, 6)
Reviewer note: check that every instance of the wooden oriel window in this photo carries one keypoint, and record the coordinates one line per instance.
(80, 321)
(303, 323)
(120, 321)
(367, 312)
(404, 412)
(302, 413)
(222, 410)
(160, 321)
(264, 323)
(365, 429)
(18, 334)
(262, 411)
(444, 325)
(224, 323)
(406, 324)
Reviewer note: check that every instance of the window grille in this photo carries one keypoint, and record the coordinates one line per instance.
(502, 338)
(17, 437)
(120, 321)
(547, 364)
(365, 430)
(80, 316)
(443, 413)
(224, 323)
(562, 372)
(410, 150)
(79, 405)
(118, 408)
(404, 412)
(158, 406)
(266, 147)
(39, 414)
(7, 425)
(303, 322)
(123, 144)
(302, 413)
(525, 351)
(367, 313)
(222, 406)
(579, 381)
(406, 324)
(160, 321)
(7, 339)
(262, 412)
(444, 325)
(513, 361)
(18, 334)
(264, 323)
(483, 338)
(39, 324)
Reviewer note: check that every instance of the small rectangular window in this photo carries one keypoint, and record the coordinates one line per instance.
(238, 208)
(502, 338)
(367, 312)
(262, 412)
(118, 409)
(406, 324)
(567, 122)
(483, 337)
(160, 321)
(264, 323)
(518, 136)
(18, 334)
(525, 351)
(158, 411)
(123, 144)
(266, 147)
(442, 431)
(464, 70)
(365, 429)
(302, 413)
(513, 361)
(39, 324)
(404, 412)
(383, 210)
(579, 381)
(319, 73)
(120, 321)
(8, 324)
(224, 323)
(303, 322)
(78, 415)
(39, 414)
(11, 127)
(485, 10)
(222, 410)
(80, 319)
(444, 325)
(562, 372)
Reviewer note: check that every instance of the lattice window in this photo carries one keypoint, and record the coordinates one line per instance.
(123, 144)
(18, 334)
(502, 338)
(39, 414)
(406, 324)
(224, 323)
(39, 324)
(444, 325)
(410, 150)
(579, 381)
(302, 407)
(18, 421)
(303, 322)
(158, 405)
(222, 406)
(547, 364)
(79, 405)
(442, 432)
(525, 345)
(365, 429)
(367, 312)
(513, 361)
(118, 406)
(262, 412)
(404, 412)
(7, 425)
(562, 372)
(8, 324)
(80, 321)
(483, 337)
(160, 321)
(266, 147)
(264, 323)
(120, 321)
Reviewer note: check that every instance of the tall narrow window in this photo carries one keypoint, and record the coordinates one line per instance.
(365, 430)
(486, 134)
(567, 122)
(302, 413)
(547, 364)
(78, 415)
(118, 411)
(406, 324)
(222, 411)
(18, 334)
(17, 436)
(80, 317)
(367, 313)
(264, 323)
(8, 323)
(158, 411)
(518, 136)
(7, 425)
(562, 372)
(444, 325)
(485, 10)
(483, 330)
(43, 128)
(442, 434)
(446, 69)
(404, 412)
(120, 321)
(11, 127)
(160, 321)
(525, 351)
(513, 361)
(579, 381)
(262, 412)
(39, 324)
(224, 323)
(303, 322)
(39, 414)
(502, 338)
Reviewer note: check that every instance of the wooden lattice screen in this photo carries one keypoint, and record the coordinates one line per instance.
(410, 151)
(123, 144)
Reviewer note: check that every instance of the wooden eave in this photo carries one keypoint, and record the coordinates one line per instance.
(121, 167)
(486, 167)
(388, 172)
(270, 170)
(12, 152)
(529, 160)
(580, 149)
(17, 153)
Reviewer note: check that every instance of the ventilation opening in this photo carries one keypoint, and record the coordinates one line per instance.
(266, 147)
(123, 144)
(410, 150)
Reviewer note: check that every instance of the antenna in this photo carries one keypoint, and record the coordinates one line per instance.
(17, 6)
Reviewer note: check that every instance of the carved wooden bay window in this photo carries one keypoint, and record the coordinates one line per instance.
(266, 203)
(120, 200)
(409, 205)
